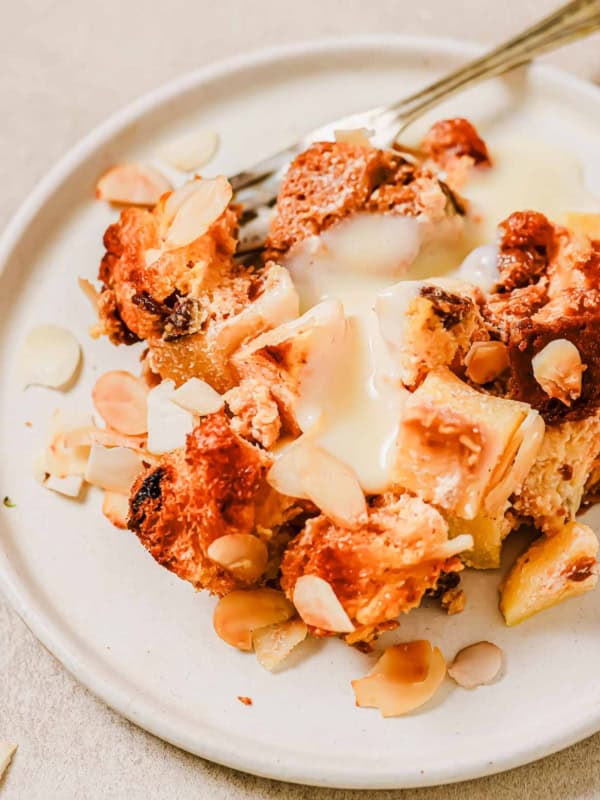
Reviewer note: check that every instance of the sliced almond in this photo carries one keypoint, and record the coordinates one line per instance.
(168, 423)
(7, 751)
(453, 547)
(240, 613)
(318, 605)
(408, 662)
(67, 449)
(69, 485)
(331, 485)
(113, 468)
(242, 554)
(205, 204)
(198, 397)
(132, 184)
(485, 361)
(273, 644)
(115, 507)
(558, 370)
(49, 356)
(383, 689)
(120, 399)
(193, 150)
(152, 255)
(90, 291)
(476, 665)
(110, 438)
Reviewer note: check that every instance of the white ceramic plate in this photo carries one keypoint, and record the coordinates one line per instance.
(140, 638)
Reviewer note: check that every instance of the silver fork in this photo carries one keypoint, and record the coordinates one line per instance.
(256, 187)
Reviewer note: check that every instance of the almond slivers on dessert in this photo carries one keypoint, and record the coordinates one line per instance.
(326, 434)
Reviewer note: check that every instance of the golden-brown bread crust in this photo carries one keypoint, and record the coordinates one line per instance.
(213, 487)
(381, 569)
(454, 138)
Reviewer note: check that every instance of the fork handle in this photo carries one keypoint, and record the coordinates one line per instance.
(571, 21)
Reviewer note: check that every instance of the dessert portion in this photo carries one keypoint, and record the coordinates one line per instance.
(328, 434)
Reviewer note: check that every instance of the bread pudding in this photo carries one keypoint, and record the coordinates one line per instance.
(337, 427)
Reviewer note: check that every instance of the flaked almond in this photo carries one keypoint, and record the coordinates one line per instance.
(68, 444)
(242, 554)
(7, 751)
(408, 662)
(453, 547)
(273, 644)
(318, 605)
(113, 468)
(558, 370)
(49, 357)
(203, 206)
(168, 423)
(68, 485)
(120, 399)
(240, 613)
(90, 291)
(476, 665)
(132, 184)
(109, 438)
(192, 150)
(115, 507)
(385, 689)
(197, 397)
(359, 136)
(331, 485)
(486, 361)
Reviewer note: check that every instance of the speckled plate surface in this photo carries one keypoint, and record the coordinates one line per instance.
(140, 638)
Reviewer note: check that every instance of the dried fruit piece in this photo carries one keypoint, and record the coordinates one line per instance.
(120, 399)
(274, 643)
(192, 150)
(115, 507)
(49, 356)
(242, 554)
(385, 689)
(318, 605)
(132, 184)
(240, 613)
(205, 204)
(113, 468)
(168, 423)
(553, 569)
(7, 751)
(197, 397)
(486, 361)
(476, 665)
(558, 370)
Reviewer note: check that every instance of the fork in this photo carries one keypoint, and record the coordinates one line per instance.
(256, 187)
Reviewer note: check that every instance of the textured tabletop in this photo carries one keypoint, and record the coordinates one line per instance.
(64, 66)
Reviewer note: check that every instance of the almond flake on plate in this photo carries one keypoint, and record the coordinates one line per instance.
(318, 605)
(386, 688)
(359, 136)
(192, 150)
(113, 468)
(49, 356)
(274, 643)
(197, 397)
(7, 751)
(476, 665)
(132, 184)
(207, 200)
(69, 485)
(120, 399)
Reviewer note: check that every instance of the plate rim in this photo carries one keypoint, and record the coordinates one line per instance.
(282, 765)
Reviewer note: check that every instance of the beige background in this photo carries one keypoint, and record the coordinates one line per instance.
(64, 66)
